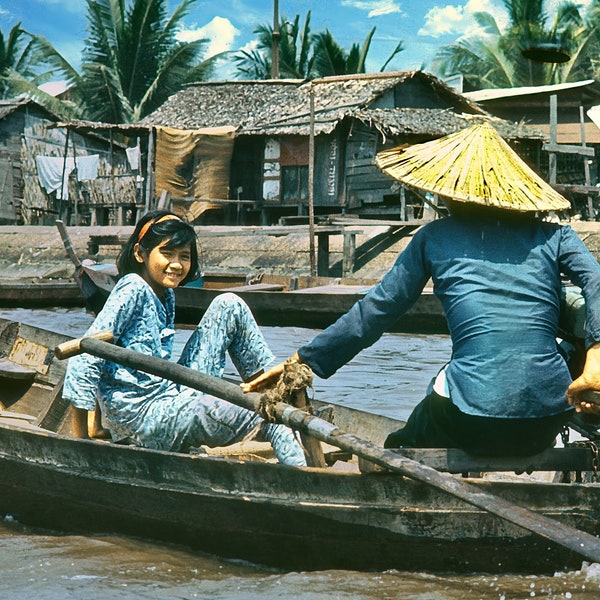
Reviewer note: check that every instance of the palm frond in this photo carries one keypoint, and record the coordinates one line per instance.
(399, 48)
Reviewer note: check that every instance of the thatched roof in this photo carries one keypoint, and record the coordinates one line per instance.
(337, 98)
(282, 107)
(474, 165)
(431, 122)
(219, 103)
(9, 106)
(83, 126)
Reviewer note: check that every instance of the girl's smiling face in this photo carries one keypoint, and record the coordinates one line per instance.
(164, 267)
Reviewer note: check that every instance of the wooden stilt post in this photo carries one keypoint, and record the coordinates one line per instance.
(349, 253)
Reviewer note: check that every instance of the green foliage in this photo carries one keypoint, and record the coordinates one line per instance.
(493, 58)
(303, 55)
(132, 61)
(294, 46)
(21, 63)
(331, 59)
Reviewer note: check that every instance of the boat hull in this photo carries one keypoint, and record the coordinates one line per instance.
(277, 515)
(312, 309)
(315, 306)
(28, 294)
(293, 518)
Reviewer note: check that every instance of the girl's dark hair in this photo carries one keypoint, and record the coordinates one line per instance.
(178, 232)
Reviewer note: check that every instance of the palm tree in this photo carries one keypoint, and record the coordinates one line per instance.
(481, 60)
(132, 61)
(494, 59)
(21, 65)
(332, 59)
(580, 36)
(294, 45)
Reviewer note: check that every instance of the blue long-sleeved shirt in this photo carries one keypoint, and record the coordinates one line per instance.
(499, 282)
(141, 322)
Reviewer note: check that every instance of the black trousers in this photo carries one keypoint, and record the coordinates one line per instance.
(437, 423)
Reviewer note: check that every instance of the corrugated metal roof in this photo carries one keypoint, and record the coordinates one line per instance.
(497, 93)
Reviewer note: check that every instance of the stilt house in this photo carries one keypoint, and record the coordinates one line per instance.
(563, 112)
(349, 118)
(47, 171)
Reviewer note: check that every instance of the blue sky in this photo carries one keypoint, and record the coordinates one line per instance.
(423, 25)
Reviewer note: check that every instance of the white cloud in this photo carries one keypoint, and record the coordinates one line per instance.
(249, 46)
(458, 19)
(551, 6)
(221, 33)
(374, 8)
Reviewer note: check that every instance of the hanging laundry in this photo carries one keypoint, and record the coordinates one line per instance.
(133, 156)
(54, 171)
(87, 167)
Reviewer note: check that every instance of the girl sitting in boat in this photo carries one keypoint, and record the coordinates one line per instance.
(143, 409)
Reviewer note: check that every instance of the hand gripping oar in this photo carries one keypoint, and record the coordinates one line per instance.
(578, 541)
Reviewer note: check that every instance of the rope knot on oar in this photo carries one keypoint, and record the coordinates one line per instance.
(296, 376)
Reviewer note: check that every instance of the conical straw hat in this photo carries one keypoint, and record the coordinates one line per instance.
(473, 165)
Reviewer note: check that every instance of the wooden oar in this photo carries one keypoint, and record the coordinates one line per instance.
(66, 240)
(579, 542)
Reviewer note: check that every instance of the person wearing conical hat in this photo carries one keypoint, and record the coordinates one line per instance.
(497, 269)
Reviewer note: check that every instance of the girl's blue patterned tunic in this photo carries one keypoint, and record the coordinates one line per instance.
(158, 413)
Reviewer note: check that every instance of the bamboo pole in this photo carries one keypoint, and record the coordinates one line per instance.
(311, 179)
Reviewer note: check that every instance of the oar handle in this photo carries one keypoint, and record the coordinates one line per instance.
(73, 347)
(66, 240)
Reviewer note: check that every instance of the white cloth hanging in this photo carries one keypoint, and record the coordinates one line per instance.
(87, 167)
(133, 156)
(54, 171)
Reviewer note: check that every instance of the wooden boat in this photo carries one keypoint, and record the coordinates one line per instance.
(307, 302)
(35, 293)
(301, 301)
(243, 506)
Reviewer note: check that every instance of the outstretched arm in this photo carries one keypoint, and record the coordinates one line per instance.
(578, 393)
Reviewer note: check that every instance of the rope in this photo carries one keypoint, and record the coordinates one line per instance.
(295, 377)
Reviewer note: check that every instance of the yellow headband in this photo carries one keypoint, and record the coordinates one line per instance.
(146, 227)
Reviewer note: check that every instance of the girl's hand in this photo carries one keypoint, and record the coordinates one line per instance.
(267, 379)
